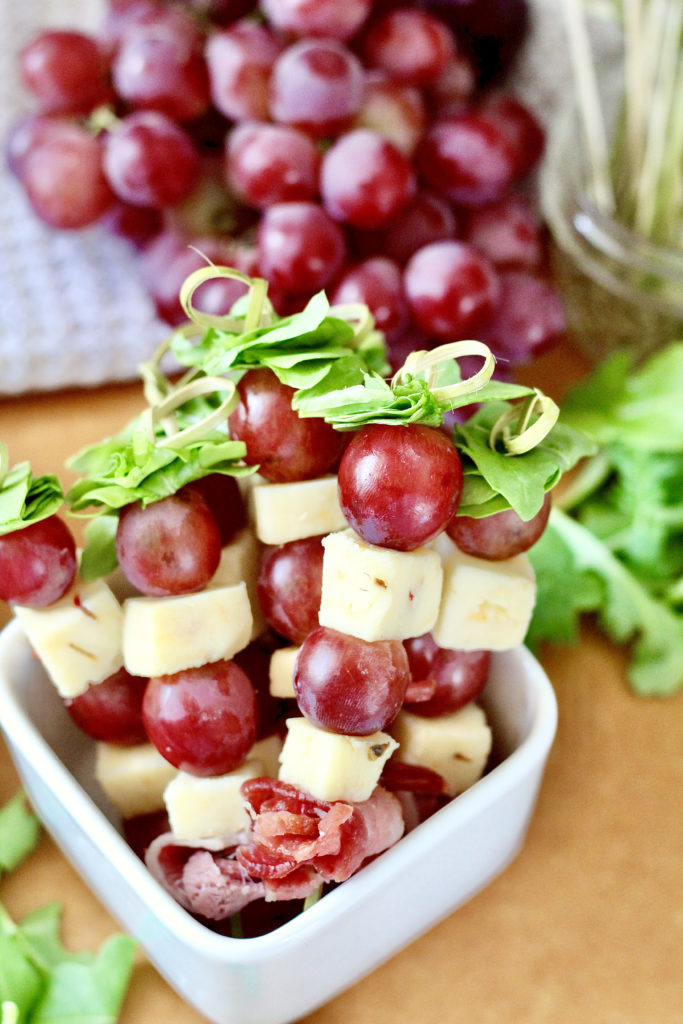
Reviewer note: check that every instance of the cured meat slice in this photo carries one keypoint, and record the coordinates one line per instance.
(291, 828)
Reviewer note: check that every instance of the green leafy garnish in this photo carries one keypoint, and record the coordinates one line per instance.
(25, 499)
(41, 982)
(577, 573)
(616, 549)
(494, 481)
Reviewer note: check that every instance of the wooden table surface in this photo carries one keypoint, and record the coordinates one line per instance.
(585, 926)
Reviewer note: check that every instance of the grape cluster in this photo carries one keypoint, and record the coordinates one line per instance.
(346, 145)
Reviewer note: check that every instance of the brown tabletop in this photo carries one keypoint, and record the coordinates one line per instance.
(585, 926)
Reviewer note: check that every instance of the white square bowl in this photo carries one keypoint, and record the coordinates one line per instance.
(279, 977)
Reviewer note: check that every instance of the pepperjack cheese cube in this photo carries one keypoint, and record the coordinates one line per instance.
(292, 511)
(241, 560)
(78, 638)
(134, 778)
(206, 808)
(455, 745)
(376, 593)
(281, 672)
(332, 766)
(485, 605)
(163, 635)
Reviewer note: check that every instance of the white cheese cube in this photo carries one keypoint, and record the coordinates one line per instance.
(266, 752)
(485, 605)
(134, 778)
(163, 635)
(206, 808)
(281, 672)
(292, 511)
(78, 638)
(376, 593)
(241, 561)
(456, 745)
(331, 766)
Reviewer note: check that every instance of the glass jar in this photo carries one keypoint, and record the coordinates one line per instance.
(620, 289)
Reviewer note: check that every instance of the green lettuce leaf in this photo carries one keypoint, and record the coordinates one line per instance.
(639, 407)
(577, 573)
(19, 832)
(494, 480)
(25, 499)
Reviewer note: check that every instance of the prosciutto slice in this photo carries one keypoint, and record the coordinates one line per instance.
(292, 829)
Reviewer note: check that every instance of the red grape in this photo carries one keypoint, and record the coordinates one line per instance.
(452, 91)
(172, 546)
(452, 289)
(468, 158)
(377, 283)
(348, 685)
(224, 498)
(285, 446)
(29, 132)
(460, 676)
(365, 180)
(501, 535)
(111, 711)
(392, 109)
(160, 66)
(410, 45)
(399, 486)
(507, 232)
(202, 720)
(427, 218)
(271, 163)
(240, 59)
(289, 586)
(37, 563)
(66, 71)
(317, 85)
(63, 177)
(336, 19)
(138, 224)
(519, 126)
(150, 161)
(300, 247)
(528, 320)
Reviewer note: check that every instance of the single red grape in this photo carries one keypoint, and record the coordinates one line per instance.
(365, 180)
(202, 720)
(271, 163)
(410, 45)
(426, 219)
(111, 711)
(316, 85)
(289, 586)
(378, 284)
(460, 676)
(392, 109)
(520, 127)
(529, 319)
(285, 446)
(300, 247)
(150, 160)
(348, 685)
(66, 71)
(37, 563)
(508, 233)
(240, 59)
(468, 158)
(63, 177)
(335, 19)
(452, 289)
(172, 546)
(399, 486)
(501, 535)
(159, 65)
(224, 498)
